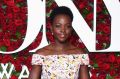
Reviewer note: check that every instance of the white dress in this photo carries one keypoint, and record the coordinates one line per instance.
(60, 66)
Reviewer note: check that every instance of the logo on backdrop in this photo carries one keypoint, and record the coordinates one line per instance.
(34, 14)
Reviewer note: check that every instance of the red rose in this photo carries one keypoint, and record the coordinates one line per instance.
(19, 1)
(102, 76)
(50, 36)
(9, 15)
(16, 16)
(100, 27)
(39, 37)
(10, 48)
(89, 8)
(12, 29)
(116, 65)
(1, 35)
(89, 16)
(14, 45)
(117, 77)
(14, 77)
(94, 76)
(20, 59)
(99, 36)
(18, 65)
(18, 22)
(24, 10)
(99, 9)
(108, 21)
(7, 42)
(106, 29)
(81, 45)
(103, 38)
(1, 9)
(91, 1)
(100, 56)
(28, 62)
(112, 72)
(0, 58)
(53, 5)
(23, 31)
(9, 2)
(23, 53)
(118, 59)
(94, 71)
(23, 17)
(83, 4)
(99, 1)
(7, 59)
(111, 58)
(48, 25)
(104, 66)
(99, 46)
(8, 10)
(16, 9)
(48, 9)
(101, 16)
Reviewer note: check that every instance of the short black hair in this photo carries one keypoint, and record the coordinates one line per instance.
(61, 10)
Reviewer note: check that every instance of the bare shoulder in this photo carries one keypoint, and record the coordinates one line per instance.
(44, 50)
(40, 51)
(79, 50)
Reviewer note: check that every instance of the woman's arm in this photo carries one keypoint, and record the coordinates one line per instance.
(84, 72)
(35, 72)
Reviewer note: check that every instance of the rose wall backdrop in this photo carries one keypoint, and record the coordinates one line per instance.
(13, 25)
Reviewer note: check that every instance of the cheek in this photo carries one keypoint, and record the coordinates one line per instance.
(68, 31)
(56, 31)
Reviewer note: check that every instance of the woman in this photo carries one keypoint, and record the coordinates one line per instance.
(60, 60)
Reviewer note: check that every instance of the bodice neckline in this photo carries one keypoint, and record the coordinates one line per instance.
(61, 54)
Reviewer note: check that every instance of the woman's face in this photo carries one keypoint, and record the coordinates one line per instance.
(61, 27)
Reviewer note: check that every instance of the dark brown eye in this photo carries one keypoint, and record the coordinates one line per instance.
(69, 26)
(57, 26)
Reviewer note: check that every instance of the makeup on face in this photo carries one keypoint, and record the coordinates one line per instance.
(62, 27)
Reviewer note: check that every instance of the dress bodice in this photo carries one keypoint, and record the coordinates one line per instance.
(60, 66)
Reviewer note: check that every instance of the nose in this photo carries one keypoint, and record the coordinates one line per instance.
(63, 29)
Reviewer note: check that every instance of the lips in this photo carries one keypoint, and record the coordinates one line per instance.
(62, 36)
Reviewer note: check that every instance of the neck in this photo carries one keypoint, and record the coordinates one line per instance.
(61, 46)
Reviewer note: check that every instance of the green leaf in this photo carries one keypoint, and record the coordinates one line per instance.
(1, 69)
(109, 77)
(18, 34)
(49, 3)
(85, 11)
(3, 48)
(17, 74)
(4, 6)
(41, 30)
(105, 12)
(104, 44)
(95, 65)
(18, 5)
(117, 54)
(48, 14)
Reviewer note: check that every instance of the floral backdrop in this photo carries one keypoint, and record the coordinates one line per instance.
(13, 25)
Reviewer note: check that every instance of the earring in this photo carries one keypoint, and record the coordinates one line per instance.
(52, 33)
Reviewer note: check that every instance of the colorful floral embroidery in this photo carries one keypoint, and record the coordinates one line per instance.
(60, 66)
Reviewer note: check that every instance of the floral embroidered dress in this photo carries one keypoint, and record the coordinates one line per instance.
(60, 66)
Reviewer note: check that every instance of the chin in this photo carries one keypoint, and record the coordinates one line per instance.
(63, 41)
